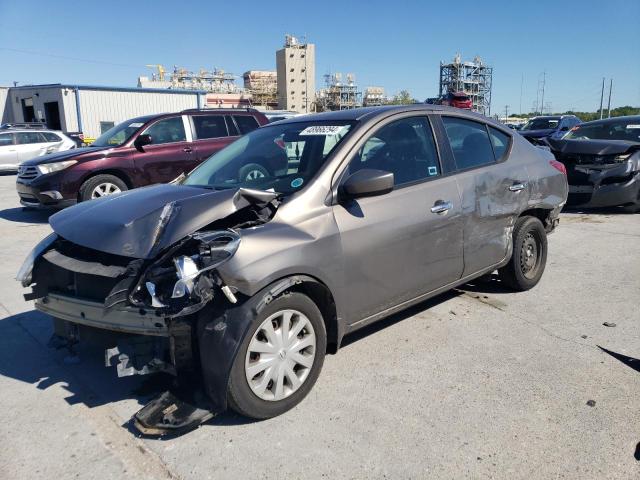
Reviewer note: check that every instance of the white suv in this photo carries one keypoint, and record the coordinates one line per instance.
(18, 145)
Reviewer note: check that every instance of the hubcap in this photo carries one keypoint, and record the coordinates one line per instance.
(104, 189)
(529, 256)
(254, 175)
(280, 355)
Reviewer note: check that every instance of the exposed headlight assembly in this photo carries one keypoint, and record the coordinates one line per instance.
(622, 158)
(24, 274)
(55, 166)
(215, 249)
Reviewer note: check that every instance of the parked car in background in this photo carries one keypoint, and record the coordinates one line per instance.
(514, 126)
(19, 144)
(602, 159)
(550, 126)
(248, 282)
(457, 100)
(277, 115)
(141, 151)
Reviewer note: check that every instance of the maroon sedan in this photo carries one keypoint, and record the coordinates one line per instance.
(141, 151)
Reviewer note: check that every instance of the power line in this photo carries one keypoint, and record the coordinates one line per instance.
(64, 57)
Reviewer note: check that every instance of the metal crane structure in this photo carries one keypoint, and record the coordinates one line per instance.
(339, 95)
(473, 78)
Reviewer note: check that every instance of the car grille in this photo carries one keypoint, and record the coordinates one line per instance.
(27, 173)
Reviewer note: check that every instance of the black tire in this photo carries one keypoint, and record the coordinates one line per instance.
(240, 397)
(253, 171)
(87, 188)
(529, 257)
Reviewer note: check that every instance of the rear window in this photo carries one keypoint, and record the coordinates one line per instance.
(51, 137)
(500, 142)
(246, 123)
(209, 126)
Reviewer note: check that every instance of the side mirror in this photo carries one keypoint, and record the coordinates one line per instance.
(142, 140)
(366, 183)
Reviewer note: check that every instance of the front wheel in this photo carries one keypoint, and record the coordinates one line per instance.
(280, 358)
(529, 256)
(101, 186)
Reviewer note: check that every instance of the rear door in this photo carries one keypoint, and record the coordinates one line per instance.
(169, 154)
(494, 189)
(210, 134)
(30, 145)
(408, 242)
(8, 151)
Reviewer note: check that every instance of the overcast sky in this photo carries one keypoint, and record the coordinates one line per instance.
(397, 45)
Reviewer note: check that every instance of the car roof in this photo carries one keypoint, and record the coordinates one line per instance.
(368, 113)
(633, 118)
(29, 130)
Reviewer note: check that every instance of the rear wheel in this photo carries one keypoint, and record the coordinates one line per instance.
(101, 186)
(529, 257)
(280, 358)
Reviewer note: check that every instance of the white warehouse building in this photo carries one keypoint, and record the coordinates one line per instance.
(91, 110)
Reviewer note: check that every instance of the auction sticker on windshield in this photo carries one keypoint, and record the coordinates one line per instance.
(322, 130)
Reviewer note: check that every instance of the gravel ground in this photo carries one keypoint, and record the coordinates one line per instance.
(477, 383)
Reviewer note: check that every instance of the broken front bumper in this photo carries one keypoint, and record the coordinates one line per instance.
(606, 185)
(93, 314)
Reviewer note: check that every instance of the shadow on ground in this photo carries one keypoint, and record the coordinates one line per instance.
(26, 215)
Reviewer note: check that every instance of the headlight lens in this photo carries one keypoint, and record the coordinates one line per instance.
(24, 274)
(55, 166)
(622, 158)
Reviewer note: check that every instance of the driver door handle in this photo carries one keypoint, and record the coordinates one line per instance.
(516, 187)
(441, 207)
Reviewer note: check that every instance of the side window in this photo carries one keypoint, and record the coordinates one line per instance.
(169, 130)
(51, 137)
(231, 126)
(469, 141)
(246, 123)
(6, 139)
(405, 148)
(24, 138)
(209, 126)
(500, 142)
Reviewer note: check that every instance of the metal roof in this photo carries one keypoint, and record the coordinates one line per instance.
(110, 89)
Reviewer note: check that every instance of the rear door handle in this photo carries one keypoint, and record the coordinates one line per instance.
(187, 149)
(441, 207)
(516, 187)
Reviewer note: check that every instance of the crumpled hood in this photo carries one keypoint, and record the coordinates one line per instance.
(593, 147)
(64, 155)
(545, 132)
(142, 222)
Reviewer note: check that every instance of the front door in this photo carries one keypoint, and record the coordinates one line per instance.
(169, 154)
(408, 242)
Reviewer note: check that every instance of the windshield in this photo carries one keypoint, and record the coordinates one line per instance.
(628, 129)
(279, 157)
(119, 134)
(541, 124)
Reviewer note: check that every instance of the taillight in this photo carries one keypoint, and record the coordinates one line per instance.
(558, 166)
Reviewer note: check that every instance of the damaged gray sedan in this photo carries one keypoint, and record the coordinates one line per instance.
(241, 276)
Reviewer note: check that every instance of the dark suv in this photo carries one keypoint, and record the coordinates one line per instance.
(141, 151)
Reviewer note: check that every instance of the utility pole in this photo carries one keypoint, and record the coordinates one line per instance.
(506, 113)
(544, 79)
(609, 103)
(601, 98)
(521, 85)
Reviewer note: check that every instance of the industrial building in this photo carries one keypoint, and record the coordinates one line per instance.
(473, 78)
(220, 86)
(90, 109)
(339, 95)
(262, 85)
(373, 97)
(296, 71)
